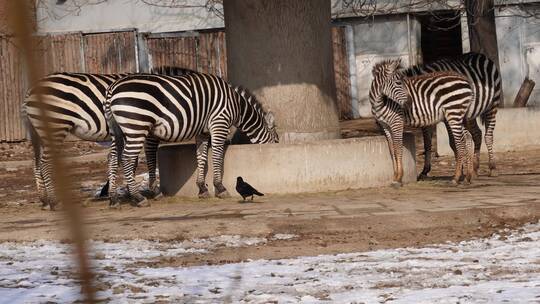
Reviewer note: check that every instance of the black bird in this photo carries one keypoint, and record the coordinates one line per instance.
(245, 189)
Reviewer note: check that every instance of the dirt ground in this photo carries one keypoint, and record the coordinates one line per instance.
(335, 222)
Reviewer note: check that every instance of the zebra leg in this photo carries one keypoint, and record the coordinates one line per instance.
(398, 150)
(427, 133)
(396, 132)
(489, 121)
(150, 149)
(218, 136)
(48, 183)
(202, 161)
(130, 156)
(474, 130)
(457, 132)
(390, 142)
(38, 175)
(469, 155)
(114, 160)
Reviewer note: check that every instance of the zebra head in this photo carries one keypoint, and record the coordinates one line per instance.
(257, 124)
(387, 82)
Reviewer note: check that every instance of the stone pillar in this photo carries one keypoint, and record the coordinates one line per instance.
(281, 50)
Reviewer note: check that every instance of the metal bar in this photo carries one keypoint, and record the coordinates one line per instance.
(349, 39)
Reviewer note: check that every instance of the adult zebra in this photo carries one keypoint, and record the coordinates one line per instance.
(71, 103)
(420, 101)
(485, 79)
(175, 109)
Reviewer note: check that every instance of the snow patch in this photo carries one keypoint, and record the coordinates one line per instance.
(492, 270)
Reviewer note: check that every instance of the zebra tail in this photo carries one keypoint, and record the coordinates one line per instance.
(117, 135)
(31, 134)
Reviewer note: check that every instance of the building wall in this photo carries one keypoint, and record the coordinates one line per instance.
(120, 15)
(518, 39)
(384, 37)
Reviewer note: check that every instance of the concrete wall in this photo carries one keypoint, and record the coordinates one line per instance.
(118, 15)
(384, 37)
(516, 129)
(291, 168)
(519, 52)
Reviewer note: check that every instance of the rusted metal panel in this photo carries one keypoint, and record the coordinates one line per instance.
(108, 53)
(204, 52)
(12, 91)
(341, 73)
(173, 51)
(61, 53)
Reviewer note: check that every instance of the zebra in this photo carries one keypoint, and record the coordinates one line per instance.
(71, 103)
(420, 101)
(179, 108)
(485, 79)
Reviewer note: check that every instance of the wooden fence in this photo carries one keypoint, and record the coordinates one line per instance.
(118, 52)
(12, 90)
(203, 52)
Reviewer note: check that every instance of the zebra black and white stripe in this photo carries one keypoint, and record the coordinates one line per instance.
(486, 84)
(71, 103)
(420, 101)
(175, 109)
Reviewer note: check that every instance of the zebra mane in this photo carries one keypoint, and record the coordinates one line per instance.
(250, 98)
(380, 66)
(171, 70)
(437, 73)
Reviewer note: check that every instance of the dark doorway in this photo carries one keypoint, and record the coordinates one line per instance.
(441, 35)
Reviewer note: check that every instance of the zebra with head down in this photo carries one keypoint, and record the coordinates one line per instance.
(174, 109)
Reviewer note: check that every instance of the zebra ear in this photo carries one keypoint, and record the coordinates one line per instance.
(269, 119)
(395, 64)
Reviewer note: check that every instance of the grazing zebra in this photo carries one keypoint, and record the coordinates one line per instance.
(420, 101)
(72, 103)
(485, 79)
(175, 109)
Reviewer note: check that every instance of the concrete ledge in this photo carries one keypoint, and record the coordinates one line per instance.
(516, 129)
(327, 165)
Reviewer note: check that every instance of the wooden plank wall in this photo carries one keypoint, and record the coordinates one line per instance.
(116, 53)
(203, 52)
(341, 73)
(12, 90)
(61, 53)
(109, 53)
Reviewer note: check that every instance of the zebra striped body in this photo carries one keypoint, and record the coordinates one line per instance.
(419, 101)
(485, 80)
(175, 109)
(71, 103)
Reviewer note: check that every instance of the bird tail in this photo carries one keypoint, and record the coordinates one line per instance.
(258, 193)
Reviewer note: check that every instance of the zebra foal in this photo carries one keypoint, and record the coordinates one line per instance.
(175, 109)
(485, 80)
(420, 101)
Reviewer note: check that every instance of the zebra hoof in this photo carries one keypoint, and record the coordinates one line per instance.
(422, 177)
(493, 173)
(223, 194)
(55, 207)
(204, 195)
(115, 206)
(144, 203)
(396, 185)
(114, 202)
(86, 202)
